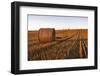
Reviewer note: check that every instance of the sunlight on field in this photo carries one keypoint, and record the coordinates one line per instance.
(68, 44)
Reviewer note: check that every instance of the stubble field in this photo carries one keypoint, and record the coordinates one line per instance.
(69, 44)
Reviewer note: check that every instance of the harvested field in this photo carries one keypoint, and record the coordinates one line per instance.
(68, 44)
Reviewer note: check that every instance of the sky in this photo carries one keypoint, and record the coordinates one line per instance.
(35, 22)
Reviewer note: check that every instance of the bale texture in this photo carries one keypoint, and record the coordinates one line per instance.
(46, 35)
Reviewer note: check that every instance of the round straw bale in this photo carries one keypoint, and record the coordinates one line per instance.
(46, 34)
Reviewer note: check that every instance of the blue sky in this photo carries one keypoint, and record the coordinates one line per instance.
(35, 22)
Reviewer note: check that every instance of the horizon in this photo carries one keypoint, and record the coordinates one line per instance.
(60, 29)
